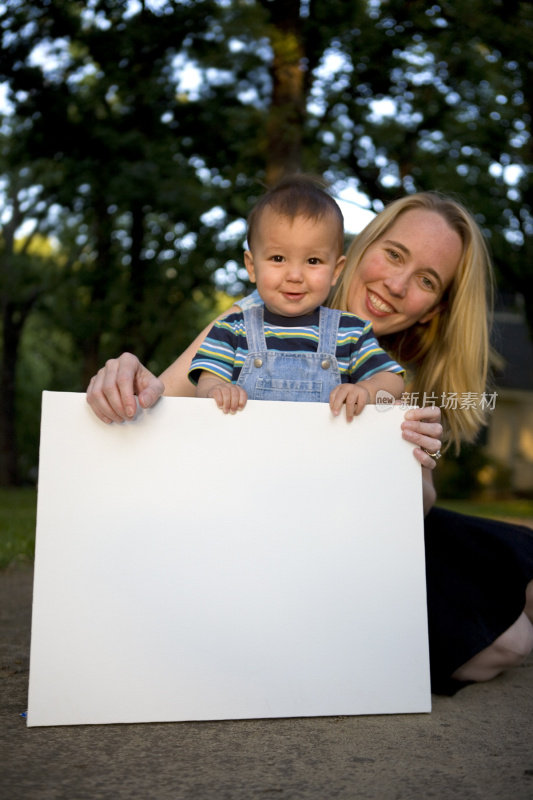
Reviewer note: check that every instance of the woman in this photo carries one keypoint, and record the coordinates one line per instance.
(420, 273)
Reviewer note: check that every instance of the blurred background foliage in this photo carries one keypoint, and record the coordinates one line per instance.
(135, 135)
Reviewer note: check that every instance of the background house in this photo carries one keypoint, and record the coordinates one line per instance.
(509, 438)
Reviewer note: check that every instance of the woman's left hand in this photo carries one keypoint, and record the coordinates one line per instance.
(422, 427)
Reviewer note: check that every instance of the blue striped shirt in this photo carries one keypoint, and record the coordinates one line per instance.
(224, 350)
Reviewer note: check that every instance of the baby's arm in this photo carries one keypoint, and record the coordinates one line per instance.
(356, 395)
(229, 397)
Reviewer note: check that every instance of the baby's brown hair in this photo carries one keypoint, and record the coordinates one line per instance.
(295, 196)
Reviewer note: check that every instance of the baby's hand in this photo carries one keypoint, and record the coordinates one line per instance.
(228, 397)
(353, 395)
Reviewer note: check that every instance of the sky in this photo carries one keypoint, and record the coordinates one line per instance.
(355, 209)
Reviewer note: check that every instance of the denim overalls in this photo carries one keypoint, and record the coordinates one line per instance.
(302, 377)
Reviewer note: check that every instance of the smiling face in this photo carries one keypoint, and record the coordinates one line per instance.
(294, 261)
(404, 274)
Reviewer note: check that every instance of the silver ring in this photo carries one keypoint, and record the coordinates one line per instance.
(436, 455)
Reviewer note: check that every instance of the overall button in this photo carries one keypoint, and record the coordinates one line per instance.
(258, 362)
(325, 364)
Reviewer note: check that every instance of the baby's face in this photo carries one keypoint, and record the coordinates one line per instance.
(294, 262)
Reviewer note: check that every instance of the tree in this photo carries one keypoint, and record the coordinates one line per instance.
(455, 115)
(99, 118)
(28, 270)
(94, 127)
(149, 180)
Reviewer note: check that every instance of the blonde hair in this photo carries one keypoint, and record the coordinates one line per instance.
(449, 355)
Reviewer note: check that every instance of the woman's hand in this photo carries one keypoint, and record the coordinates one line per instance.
(422, 427)
(111, 392)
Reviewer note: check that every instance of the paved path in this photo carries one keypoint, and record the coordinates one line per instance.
(476, 745)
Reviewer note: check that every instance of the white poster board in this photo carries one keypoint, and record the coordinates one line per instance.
(196, 566)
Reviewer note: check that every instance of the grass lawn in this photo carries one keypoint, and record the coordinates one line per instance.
(18, 508)
(17, 526)
(497, 509)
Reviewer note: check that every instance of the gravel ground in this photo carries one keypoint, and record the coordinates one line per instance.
(477, 744)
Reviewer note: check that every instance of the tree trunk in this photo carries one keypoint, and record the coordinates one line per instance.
(13, 318)
(287, 111)
(100, 283)
(131, 338)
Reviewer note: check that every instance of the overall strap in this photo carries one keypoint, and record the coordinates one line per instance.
(255, 332)
(329, 329)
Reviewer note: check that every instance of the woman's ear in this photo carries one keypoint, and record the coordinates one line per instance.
(434, 311)
(339, 266)
(249, 264)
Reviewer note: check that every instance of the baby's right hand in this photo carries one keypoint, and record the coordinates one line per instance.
(228, 397)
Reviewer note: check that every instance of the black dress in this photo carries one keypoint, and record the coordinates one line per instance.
(477, 571)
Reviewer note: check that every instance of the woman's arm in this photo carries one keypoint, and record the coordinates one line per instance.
(176, 376)
(429, 494)
(112, 391)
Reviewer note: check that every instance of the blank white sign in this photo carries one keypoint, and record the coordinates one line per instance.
(196, 566)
